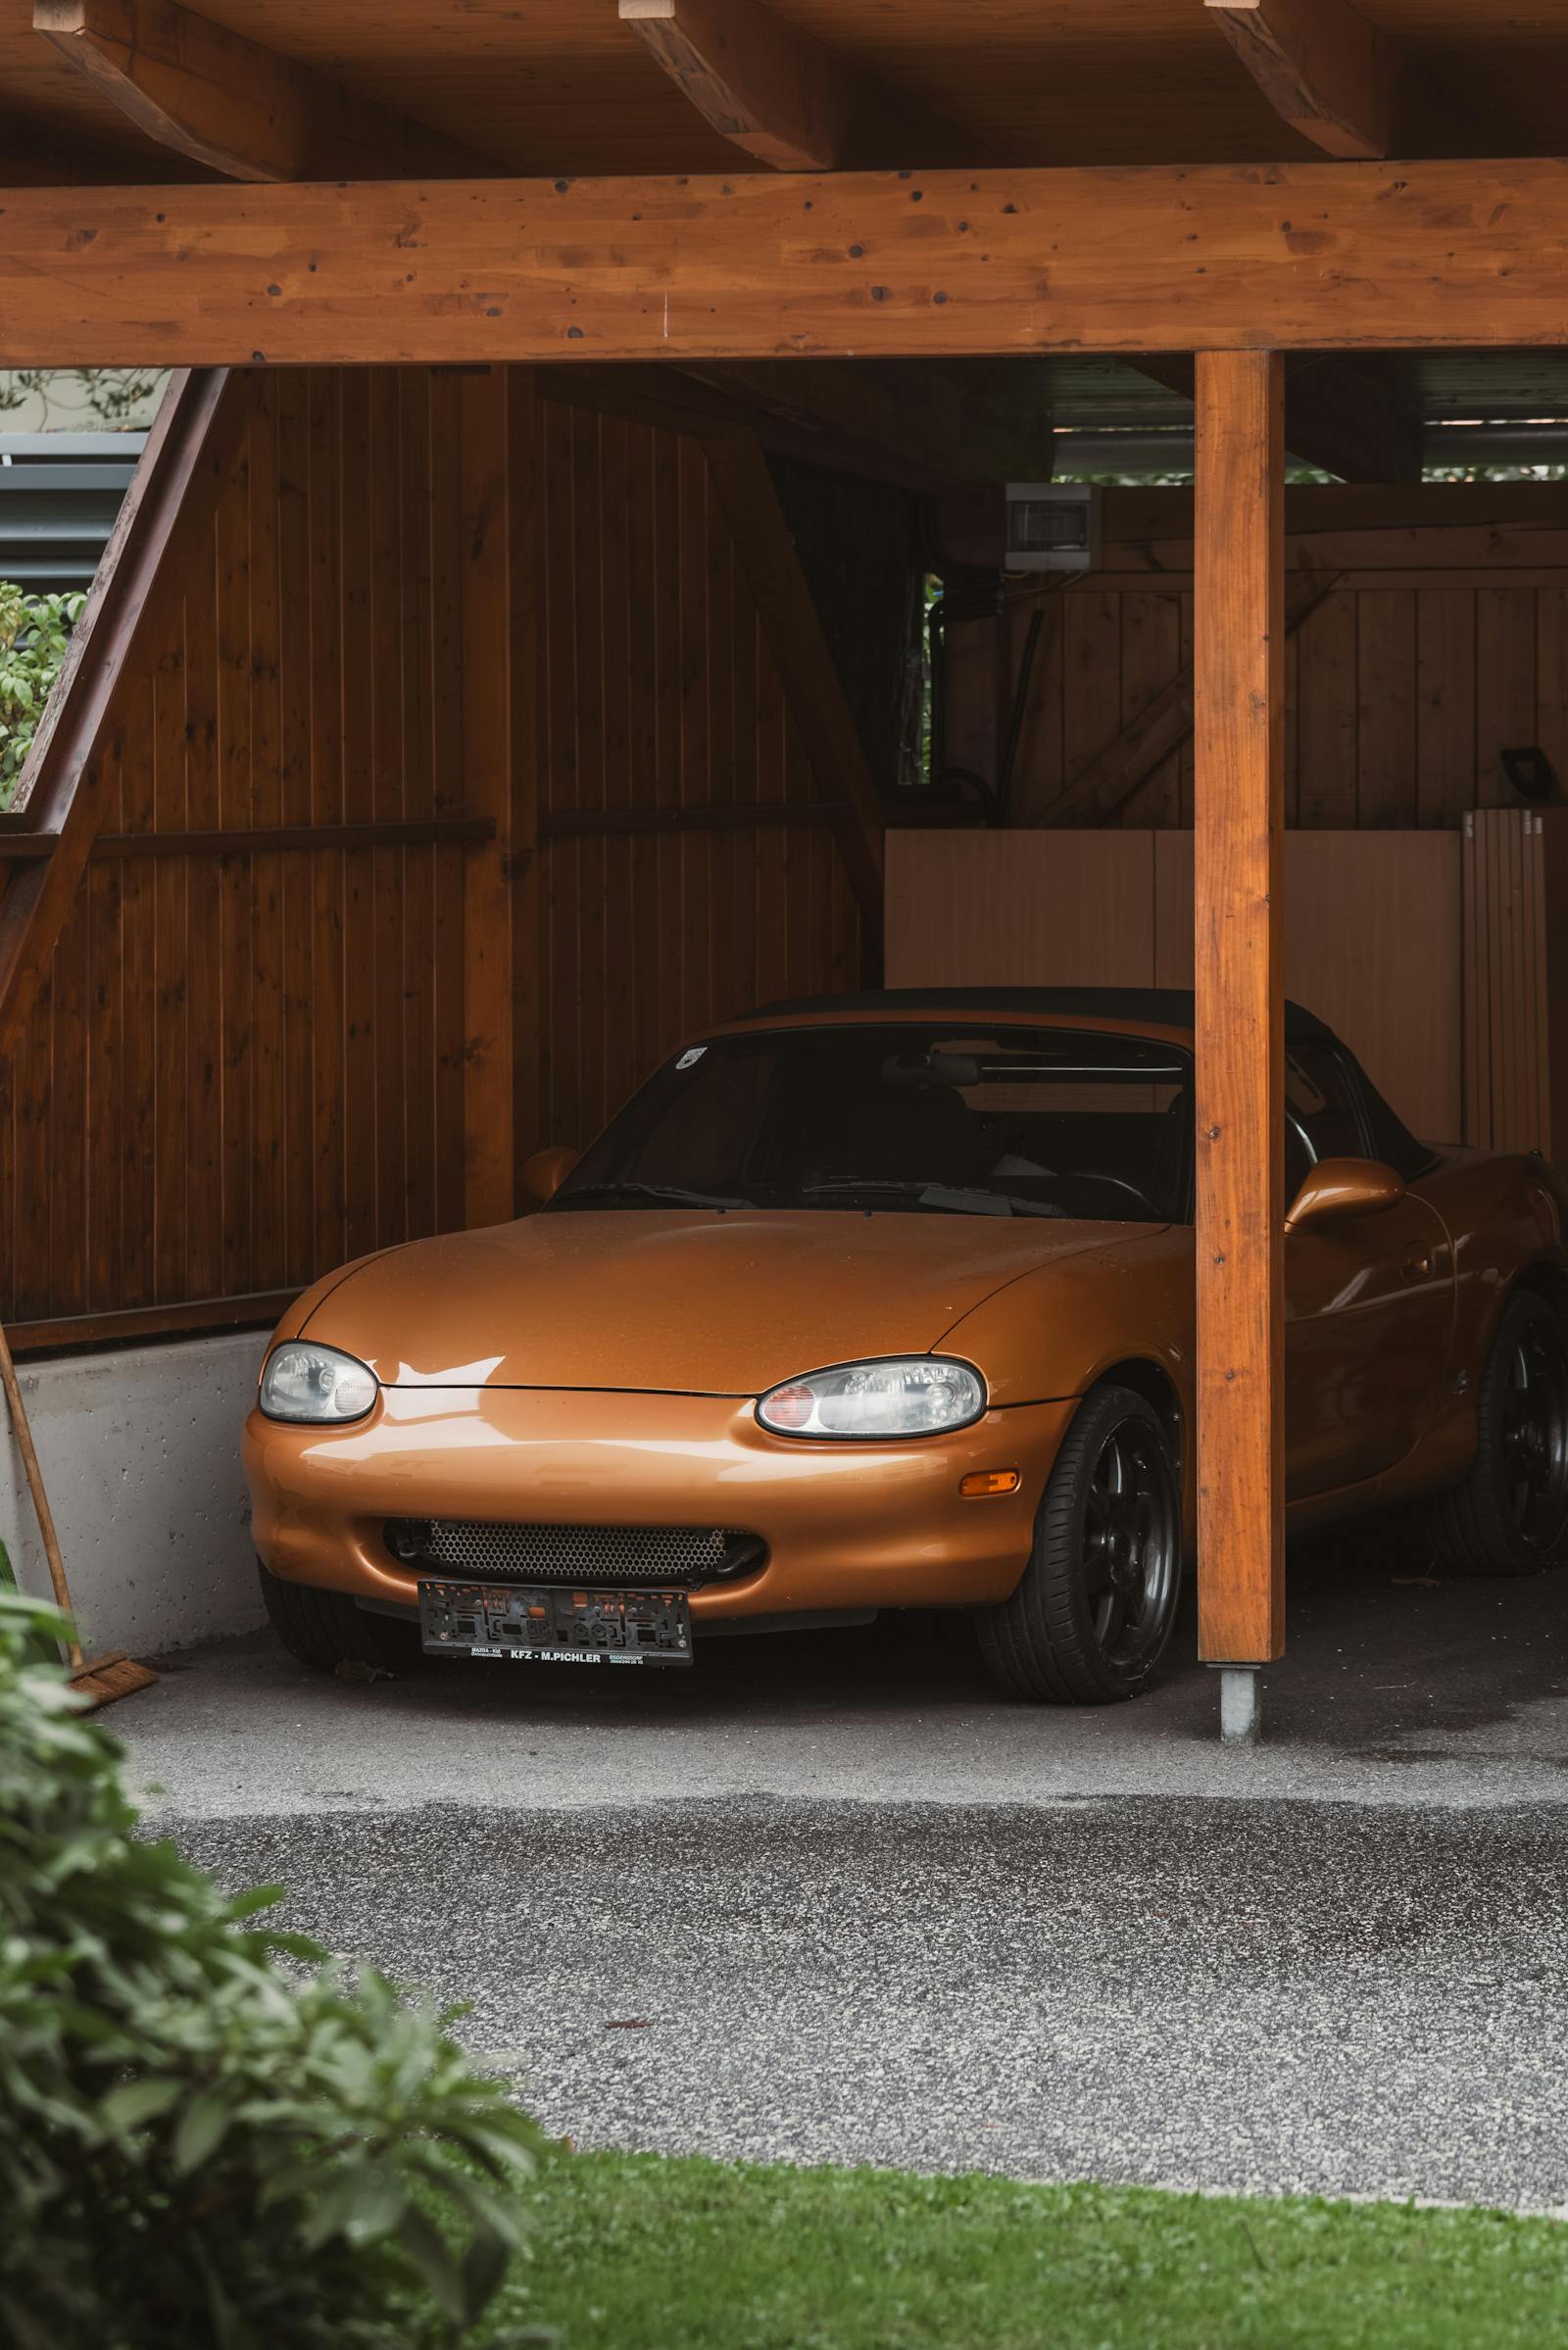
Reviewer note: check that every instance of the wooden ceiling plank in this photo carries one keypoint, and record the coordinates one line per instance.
(1321, 65)
(1009, 262)
(233, 106)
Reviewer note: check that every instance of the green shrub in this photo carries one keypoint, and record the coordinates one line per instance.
(197, 2145)
(34, 631)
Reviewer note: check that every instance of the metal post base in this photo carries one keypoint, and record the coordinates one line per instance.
(1241, 1706)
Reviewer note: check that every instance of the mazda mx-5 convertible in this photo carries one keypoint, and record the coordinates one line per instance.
(887, 1302)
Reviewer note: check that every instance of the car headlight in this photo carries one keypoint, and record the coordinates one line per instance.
(915, 1396)
(306, 1381)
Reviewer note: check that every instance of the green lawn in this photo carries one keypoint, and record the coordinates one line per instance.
(632, 2252)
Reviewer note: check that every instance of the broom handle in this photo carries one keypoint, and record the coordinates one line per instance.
(36, 1484)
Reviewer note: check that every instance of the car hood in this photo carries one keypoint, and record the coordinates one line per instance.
(688, 1304)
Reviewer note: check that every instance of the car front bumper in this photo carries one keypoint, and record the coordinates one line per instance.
(846, 1526)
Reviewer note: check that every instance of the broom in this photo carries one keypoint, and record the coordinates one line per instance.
(99, 1679)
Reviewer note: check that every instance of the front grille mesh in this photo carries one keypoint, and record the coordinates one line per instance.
(685, 1556)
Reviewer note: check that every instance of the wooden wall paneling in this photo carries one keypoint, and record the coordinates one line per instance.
(526, 554)
(1506, 684)
(1475, 1118)
(1328, 696)
(1028, 908)
(558, 781)
(269, 1252)
(747, 853)
(664, 975)
(415, 941)
(359, 685)
(137, 713)
(643, 739)
(448, 656)
(725, 990)
(67, 1115)
(172, 966)
(1552, 1061)
(1445, 704)
(696, 906)
(1091, 676)
(1551, 678)
(1373, 945)
(384, 947)
(207, 1114)
(33, 1064)
(298, 872)
(106, 1039)
(490, 1186)
(771, 912)
(1038, 773)
(1386, 693)
(618, 937)
(323, 409)
(587, 915)
(237, 942)
(1151, 657)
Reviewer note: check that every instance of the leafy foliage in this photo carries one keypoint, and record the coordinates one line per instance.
(106, 396)
(196, 2144)
(34, 631)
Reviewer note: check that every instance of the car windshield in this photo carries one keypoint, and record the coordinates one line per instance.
(907, 1119)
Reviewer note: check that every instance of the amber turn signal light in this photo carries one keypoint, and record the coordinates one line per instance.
(982, 1485)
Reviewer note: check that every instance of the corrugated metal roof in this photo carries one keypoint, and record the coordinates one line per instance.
(60, 493)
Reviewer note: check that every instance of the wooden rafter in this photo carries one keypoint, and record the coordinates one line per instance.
(60, 801)
(779, 95)
(771, 89)
(1321, 65)
(232, 105)
(1309, 256)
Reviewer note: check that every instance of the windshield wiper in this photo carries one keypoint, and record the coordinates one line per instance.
(955, 1199)
(670, 1195)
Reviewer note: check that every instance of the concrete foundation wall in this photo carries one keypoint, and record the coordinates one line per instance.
(140, 1453)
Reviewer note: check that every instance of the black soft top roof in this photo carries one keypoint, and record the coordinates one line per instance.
(1158, 1007)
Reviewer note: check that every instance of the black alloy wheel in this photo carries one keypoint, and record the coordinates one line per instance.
(1510, 1514)
(1092, 1614)
(1534, 1433)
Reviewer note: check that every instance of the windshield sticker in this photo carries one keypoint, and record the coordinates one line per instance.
(689, 1060)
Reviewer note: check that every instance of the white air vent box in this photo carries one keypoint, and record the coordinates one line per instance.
(1053, 525)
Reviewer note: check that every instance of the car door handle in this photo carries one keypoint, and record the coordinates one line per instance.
(1415, 1268)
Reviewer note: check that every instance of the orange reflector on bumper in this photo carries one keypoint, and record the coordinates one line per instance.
(983, 1484)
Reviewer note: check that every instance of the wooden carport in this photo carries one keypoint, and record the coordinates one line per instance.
(1175, 213)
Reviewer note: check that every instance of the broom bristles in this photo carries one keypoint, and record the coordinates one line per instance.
(102, 1683)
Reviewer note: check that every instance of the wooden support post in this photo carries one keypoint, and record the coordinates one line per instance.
(1239, 812)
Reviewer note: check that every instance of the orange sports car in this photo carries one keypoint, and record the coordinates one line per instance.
(887, 1301)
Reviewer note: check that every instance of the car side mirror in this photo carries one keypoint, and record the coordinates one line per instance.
(1344, 1188)
(544, 1174)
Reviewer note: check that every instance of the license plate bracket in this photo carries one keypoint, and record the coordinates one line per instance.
(555, 1624)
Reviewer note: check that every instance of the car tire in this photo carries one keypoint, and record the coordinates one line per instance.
(1093, 1612)
(324, 1629)
(1510, 1514)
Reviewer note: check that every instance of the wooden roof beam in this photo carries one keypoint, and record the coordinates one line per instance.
(1321, 65)
(1450, 254)
(233, 106)
(782, 97)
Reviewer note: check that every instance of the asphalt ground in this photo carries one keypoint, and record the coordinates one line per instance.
(828, 1897)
